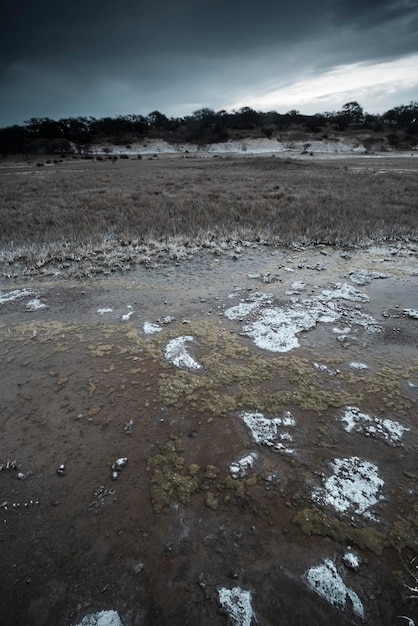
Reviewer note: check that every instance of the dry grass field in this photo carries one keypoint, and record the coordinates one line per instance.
(128, 211)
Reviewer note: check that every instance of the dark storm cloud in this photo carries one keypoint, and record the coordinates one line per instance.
(72, 57)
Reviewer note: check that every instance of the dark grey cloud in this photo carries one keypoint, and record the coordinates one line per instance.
(102, 57)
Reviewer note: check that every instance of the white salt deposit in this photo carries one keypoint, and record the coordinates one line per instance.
(276, 329)
(151, 329)
(239, 469)
(388, 430)
(355, 485)
(324, 368)
(358, 366)
(296, 288)
(351, 560)
(327, 583)
(104, 311)
(237, 603)
(102, 618)
(411, 313)
(9, 296)
(345, 291)
(35, 304)
(177, 354)
(363, 277)
(245, 308)
(365, 320)
(126, 317)
(341, 331)
(266, 431)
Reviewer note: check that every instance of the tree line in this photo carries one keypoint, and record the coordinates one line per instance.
(203, 126)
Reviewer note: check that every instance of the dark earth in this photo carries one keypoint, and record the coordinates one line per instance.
(80, 389)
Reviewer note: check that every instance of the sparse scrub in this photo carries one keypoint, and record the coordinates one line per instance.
(125, 205)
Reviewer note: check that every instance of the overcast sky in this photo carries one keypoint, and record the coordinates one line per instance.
(70, 58)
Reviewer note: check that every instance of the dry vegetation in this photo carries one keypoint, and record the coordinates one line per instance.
(116, 214)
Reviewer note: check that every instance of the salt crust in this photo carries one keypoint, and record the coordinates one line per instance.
(324, 368)
(275, 329)
(358, 366)
(102, 618)
(351, 560)
(237, 603)
(177, 354)
(245, 308)
(239, 469)
(151, 329)
(355, 485)
(411, 313)
(35, 304)
(103, 311)
(388, 430)
(363, 277)
(345, 292)
(9, 296)
(326, 582)
(265, 431)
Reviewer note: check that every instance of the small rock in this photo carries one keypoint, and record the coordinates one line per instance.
(61, 471)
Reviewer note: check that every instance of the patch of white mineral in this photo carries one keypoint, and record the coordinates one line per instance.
(126, 317)
(151, 329)
(245, 308)
(341, 331)
(239, 469)
(35, 304)
(324, 368)
(237, 603)
(177, 354)
(9, 296)
(345, 291)
(103, 311)
(275, 328)
(365, 320)
(411, 313)
(102, 618)
(358, 366)
(266, 431)
(388, 430)
(355, 485)
(363, 277)
(327, 583)
(351, 560)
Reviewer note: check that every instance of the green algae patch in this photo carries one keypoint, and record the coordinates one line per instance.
(211, 472)
(170, 478)
(315, 522)
(402, 534)
(386, 384)
(233, 377)
(212, 501)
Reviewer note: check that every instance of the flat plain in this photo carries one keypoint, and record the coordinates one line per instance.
(209, 383)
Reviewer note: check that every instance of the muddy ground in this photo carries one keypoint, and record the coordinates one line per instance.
(84, 383)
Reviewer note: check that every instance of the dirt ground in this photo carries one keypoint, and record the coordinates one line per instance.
(84, 383)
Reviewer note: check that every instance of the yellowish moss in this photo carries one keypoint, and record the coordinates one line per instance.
(211, 501)
(404, 532)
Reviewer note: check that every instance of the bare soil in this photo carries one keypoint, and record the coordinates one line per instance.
(74, 541)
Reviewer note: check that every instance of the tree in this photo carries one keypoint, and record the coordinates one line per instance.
(353, 111)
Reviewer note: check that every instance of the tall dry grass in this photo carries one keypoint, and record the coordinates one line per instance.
(83, 207)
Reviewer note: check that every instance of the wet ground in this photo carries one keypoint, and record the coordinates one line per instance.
(243, 422)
